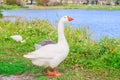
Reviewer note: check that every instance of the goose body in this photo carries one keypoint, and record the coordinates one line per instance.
(51, 55)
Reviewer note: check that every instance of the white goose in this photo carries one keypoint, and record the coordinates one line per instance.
(51, 55)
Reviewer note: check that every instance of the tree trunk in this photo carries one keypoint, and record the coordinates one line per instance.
(31, 1)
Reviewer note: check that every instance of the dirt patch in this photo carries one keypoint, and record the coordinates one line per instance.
(16, 77)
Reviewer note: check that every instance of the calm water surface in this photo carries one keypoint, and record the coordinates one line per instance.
(101, 23)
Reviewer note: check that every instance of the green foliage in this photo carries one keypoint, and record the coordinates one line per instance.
(9, 48)
(42, 2)
(12, 68)
(11, 2)
(10, 7)
(39, 2)
(41, 79)
(95, 56)
(78, 6)
(1, 15)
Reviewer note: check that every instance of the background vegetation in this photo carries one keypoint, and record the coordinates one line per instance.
(88, 59)
(1, 15)
(42, 2)
(74, 6)
(10, 7)
(11, 2)
(56, 2)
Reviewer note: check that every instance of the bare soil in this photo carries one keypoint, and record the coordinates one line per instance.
(16, 77)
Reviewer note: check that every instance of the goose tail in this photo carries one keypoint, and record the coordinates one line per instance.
(30, 56)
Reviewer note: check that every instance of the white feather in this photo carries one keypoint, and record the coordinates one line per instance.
(37, 46)
(17, 38)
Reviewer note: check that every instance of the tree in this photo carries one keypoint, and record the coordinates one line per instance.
(31, 1)
(117, 2)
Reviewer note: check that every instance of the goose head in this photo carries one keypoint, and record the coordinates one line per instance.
(66, 19)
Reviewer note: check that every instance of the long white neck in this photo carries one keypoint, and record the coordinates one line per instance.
(61, 36)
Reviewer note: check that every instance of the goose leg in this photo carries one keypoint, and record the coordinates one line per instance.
(54, 73)
(49, 72)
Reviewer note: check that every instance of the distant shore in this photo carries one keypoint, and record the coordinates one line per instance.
(64, 6)
(78, 6)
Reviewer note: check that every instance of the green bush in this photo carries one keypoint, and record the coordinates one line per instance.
(42, 2)
(10, 7)
(1, 15)
(12, 2)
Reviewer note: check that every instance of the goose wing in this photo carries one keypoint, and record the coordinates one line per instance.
(44, 43)
(48, 51)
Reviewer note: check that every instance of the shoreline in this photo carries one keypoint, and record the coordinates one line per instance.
(64, 6)
(79, 7)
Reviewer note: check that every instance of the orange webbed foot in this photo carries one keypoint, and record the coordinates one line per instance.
(53, 73)
(57, 74)
(50, 73)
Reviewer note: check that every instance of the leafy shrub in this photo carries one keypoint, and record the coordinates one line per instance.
(42, 2)
(1, 15)
(39, 2)
(10, 7)
(12, 2)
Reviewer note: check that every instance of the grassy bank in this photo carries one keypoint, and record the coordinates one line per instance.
(87, 60)
(10, 7)
(64, 6)
(78, 6)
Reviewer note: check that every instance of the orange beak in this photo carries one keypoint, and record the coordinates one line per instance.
(70, 19)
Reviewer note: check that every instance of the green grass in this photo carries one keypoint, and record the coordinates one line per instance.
(64, 6)
(10, 7)
(79, 6)
(87, 59)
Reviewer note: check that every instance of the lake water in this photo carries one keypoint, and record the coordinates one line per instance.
(101, 23)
